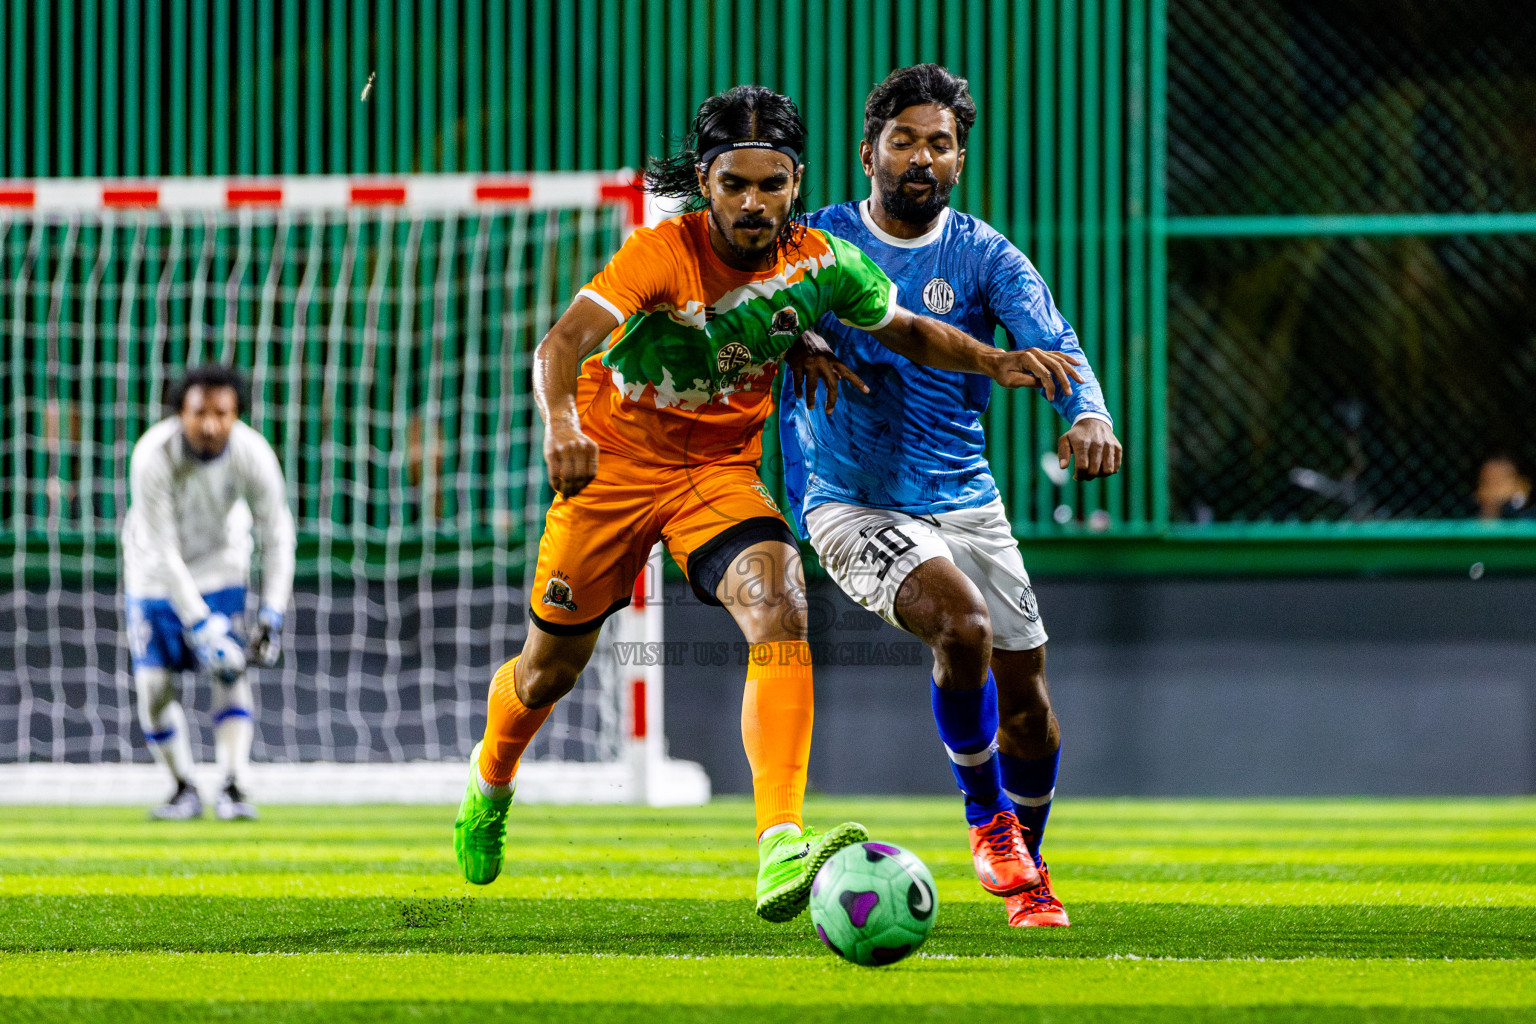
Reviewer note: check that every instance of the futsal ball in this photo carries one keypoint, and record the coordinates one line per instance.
(873, 903)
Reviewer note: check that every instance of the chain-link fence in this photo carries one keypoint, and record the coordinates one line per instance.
(387, 351)
(1344, 343)
(1294, 235)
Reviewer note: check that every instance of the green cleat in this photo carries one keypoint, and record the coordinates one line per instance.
(480, 833)
(787, 864)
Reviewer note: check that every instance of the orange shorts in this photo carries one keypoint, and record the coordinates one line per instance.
(596, 544)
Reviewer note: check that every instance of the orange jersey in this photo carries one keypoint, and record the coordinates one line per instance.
(688, 375)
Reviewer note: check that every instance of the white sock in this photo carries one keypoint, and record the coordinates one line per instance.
(490, 791)
(232, 743)
(175, 750)
(161, 717)
(773, 830)
(234, 730)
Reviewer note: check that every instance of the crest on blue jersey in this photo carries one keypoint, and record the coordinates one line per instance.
(938, 296)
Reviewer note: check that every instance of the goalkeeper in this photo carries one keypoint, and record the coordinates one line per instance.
(199, 481)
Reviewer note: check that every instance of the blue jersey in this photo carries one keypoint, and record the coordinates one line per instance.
(914, 443)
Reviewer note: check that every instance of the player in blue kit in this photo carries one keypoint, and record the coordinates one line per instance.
(891, 482)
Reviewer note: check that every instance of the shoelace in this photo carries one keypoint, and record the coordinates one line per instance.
(1000, 840)
(1041, 893)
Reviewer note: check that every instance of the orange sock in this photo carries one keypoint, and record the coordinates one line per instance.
(509, 728)
(776, 713)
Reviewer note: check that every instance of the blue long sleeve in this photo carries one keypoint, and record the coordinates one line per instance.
(1021, 302)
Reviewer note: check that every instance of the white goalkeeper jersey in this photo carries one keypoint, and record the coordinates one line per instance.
(189, 526)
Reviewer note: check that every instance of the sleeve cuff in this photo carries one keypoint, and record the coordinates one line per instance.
(891, 306)
(588, 293)
(1090, 415)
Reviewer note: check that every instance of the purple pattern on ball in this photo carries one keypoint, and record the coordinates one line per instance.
(889, 851)
(860, 906)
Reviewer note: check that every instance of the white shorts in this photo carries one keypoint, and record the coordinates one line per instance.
(871, 551)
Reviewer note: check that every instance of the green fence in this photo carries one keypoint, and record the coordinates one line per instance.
(1294, 236)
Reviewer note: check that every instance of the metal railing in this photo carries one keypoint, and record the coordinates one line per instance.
(1193, 177)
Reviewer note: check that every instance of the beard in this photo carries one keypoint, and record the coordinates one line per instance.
(200, 455)
(745, 252)
(901, 206)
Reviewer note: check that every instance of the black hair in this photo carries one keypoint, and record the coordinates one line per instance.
(744, 113)
(914, 86)
(209, 375)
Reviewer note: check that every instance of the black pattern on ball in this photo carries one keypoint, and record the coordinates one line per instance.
(919, 901)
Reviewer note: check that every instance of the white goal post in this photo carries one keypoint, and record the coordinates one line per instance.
(386, 326)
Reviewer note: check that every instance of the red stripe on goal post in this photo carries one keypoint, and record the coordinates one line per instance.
(504, 192)
(252, 195)
(378, 195)
(130, 196)
(637, 702)
(18, 197)
(630, 194)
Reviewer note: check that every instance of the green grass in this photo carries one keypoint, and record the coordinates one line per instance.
(1330, 911)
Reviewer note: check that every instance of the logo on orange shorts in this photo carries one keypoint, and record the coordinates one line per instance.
(558, 593)
(762, 492)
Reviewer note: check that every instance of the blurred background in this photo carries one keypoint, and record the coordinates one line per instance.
(1297, 239)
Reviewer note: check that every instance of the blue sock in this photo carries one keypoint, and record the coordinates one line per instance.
(1030, 785)
(967, 724)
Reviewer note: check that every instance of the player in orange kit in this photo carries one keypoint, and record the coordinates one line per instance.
(654, 387)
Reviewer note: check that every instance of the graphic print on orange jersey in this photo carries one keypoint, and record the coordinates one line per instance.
(785, 321)
(689, 374)
(697, 332)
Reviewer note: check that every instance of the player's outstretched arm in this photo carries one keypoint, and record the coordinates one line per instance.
(933, 343)
(569, 454)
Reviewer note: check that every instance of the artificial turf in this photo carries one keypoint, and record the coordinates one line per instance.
(1337, 910)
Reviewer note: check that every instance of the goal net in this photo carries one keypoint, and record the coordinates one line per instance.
(386, 328)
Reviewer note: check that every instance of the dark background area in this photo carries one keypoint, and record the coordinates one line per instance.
(1162, 687)
(1170, 687)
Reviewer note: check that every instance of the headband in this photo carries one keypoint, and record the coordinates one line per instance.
(709, 155)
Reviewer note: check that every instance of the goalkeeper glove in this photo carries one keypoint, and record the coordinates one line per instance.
(267, 641)
(216, 650)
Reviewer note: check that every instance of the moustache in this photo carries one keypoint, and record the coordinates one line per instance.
(751, 223)
(916, 177)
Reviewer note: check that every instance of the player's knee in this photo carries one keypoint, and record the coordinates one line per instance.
(236, 696)
(964, 635)
(780, 615)
(155, 693)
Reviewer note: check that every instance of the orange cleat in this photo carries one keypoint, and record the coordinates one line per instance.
(1037, 907)
(1002, 863)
